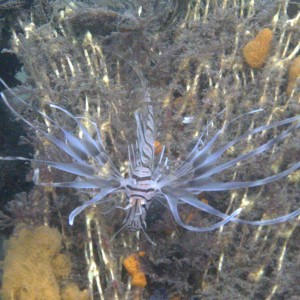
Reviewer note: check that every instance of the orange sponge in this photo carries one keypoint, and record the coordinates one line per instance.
(256, 51)
(133, 267)
(294, 74)
(157, 147)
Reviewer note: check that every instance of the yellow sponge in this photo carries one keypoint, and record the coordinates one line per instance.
(33, 267)
(27, 266)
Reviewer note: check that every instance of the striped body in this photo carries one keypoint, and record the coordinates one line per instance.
(140, 189)
(139, 193)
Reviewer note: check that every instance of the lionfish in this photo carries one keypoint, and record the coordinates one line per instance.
(147, 181)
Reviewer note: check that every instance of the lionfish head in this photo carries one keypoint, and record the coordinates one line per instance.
(135, 214)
